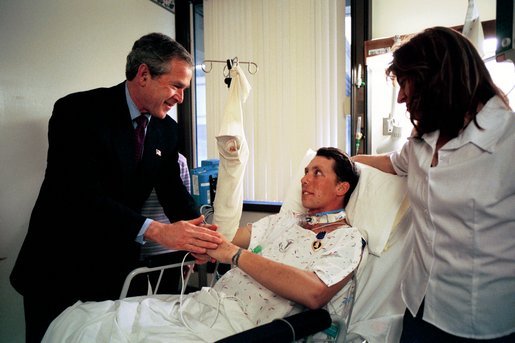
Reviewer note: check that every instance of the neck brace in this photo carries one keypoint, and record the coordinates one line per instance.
(323, 217)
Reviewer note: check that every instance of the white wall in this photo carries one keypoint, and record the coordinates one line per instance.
(396, 17)
(48, 49)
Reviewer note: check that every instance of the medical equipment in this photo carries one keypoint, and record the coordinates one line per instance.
(322, 218)
(203, 182)
(252, 67)
(505, 28)
(391, 124)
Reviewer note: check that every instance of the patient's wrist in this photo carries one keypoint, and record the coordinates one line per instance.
(236, 257)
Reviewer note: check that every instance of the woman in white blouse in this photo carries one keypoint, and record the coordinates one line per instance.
(460, 283)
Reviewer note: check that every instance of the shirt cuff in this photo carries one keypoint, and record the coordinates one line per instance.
(140, 238)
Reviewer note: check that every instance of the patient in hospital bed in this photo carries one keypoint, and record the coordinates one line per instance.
(282, 264)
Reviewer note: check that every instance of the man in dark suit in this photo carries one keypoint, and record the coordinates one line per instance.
(86, 229)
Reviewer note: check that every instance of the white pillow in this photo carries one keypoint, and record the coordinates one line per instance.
(375, 207)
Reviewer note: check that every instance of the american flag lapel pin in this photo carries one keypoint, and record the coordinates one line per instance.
(158, 152)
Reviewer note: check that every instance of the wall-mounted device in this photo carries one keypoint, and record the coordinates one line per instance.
(391, 126)
(390, 123)
(505, 30)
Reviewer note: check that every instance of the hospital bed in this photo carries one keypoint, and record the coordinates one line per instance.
(159, 263)
(379, 209)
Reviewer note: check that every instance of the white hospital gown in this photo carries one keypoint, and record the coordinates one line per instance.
(236, 303)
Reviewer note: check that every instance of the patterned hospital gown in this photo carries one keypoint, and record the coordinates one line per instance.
(281, 239)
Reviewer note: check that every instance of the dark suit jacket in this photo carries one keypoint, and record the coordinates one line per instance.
(81, 238)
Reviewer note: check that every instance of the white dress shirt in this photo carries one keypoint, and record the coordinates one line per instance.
(463, 259)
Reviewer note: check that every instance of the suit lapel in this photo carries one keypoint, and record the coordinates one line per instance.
(122, 130)
(152, 151)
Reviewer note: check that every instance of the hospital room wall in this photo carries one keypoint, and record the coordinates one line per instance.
(397, 17)
(48, 49)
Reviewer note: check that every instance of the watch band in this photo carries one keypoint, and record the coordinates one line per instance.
(236, 257)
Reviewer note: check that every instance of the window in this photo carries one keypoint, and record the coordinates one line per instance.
(503, 73)
(200, 84)
(299, 91)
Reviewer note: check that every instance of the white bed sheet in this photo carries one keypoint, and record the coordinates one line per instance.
(150, 319)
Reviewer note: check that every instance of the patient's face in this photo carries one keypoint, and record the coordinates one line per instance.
(320, 186)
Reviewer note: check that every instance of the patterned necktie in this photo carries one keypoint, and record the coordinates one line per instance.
(141, 124)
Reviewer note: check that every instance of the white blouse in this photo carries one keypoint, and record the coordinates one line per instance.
(463, 259)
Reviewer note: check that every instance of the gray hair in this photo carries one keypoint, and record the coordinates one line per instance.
(155, 50)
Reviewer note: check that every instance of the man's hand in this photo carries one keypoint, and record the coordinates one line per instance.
(190, 235)
(212, 227)
(224, 252)
(202, 258)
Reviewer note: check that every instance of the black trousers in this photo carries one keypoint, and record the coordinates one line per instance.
(416, 330)
(39, 313)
